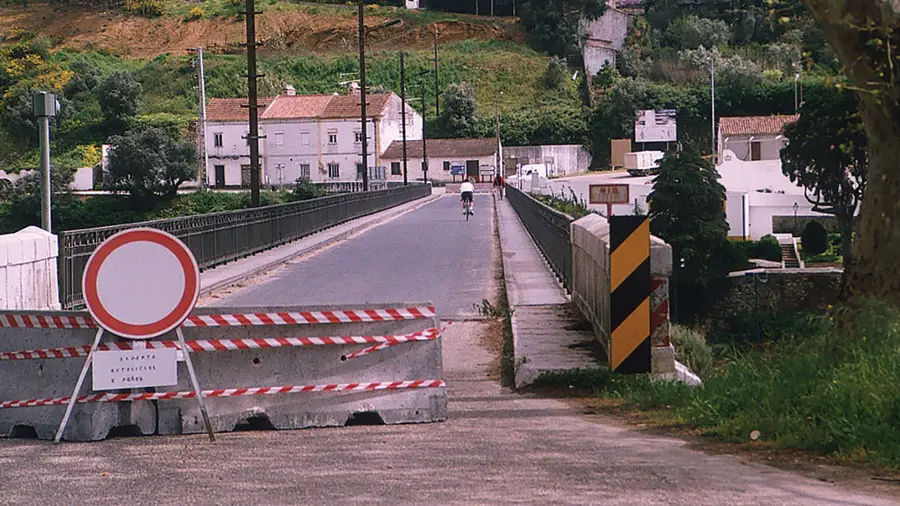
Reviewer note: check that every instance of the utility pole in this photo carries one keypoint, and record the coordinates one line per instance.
(492, 7)
(437, 94)
(499, 154)
(44, 106)
(424, 141)
(362, 94)
(204, 155)
(476, 7)
(403, 112)
(253, 106)
(712, 73)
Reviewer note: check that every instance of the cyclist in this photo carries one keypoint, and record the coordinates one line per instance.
(498, 184)
(466, 194)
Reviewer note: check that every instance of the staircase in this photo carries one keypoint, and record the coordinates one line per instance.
(790, 255)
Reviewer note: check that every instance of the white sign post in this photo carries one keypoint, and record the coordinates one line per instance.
(139, 284)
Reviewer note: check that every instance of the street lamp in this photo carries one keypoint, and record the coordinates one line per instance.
(796, 206)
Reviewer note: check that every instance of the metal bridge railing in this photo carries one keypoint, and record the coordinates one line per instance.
(222, 237)
(550, 230)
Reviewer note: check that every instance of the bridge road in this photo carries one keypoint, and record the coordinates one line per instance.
(497, 447)
(430, 254)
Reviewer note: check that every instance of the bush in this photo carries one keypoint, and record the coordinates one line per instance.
(555, 73)
(814, 238)
(304, 190)
(149, 163)
(195, 14)
(767, 248)
(691, 350)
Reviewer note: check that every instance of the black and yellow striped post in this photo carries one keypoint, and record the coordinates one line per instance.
(629, 284)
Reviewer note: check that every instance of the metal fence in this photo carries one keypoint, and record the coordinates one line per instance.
(355, 186)
(550, 230)
(222, 237)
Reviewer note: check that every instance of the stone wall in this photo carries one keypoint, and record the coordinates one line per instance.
(786, 224)
(780, 291)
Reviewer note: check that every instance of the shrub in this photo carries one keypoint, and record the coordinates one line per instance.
(555, 73)
(691, 349)
(195, 14)
(767, 248)
(304, 190)
(815, 238)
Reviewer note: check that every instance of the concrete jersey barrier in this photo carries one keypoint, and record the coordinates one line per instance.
(292, 367)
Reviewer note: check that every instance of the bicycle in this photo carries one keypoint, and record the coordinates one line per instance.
(468, 210)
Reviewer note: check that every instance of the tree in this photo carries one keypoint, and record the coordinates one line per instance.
(827, 154)
(556, 26)
(148, 163)
(458, 111)
(119, 95)
(87, 77)
(686, 211)
(815, 238)
(865, 35)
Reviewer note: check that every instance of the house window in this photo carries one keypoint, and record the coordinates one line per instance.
(447, 166)
(217, 140)
(334, 171)
(358, 137)
(332, 137)
(395, 168)
(279, 138)
(304, 172)
(304, 138)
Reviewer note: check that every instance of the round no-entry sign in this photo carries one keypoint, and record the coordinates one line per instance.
(141, 283)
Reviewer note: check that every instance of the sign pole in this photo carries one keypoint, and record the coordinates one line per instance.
(190, 367)
(608, 210)
(84, 370)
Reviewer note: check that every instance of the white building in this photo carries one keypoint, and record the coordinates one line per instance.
(752, 138)
(312, 137)
(478, 156)
(561, 159)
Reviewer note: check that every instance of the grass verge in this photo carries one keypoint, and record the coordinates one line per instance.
(831, 392)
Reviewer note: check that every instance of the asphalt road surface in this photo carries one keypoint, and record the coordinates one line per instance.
(430, 254)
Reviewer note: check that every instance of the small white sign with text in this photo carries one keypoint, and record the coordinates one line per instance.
(124, 369)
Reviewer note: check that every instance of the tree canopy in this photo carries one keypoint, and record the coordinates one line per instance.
(827, 154)
(556, 25)
(149, 163)
(687, 211)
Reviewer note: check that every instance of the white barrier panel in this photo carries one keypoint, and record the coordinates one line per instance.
(28, 266)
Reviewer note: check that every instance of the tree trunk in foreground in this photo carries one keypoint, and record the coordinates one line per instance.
(851, 26)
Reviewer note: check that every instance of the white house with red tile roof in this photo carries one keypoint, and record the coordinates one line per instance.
(313, 137)
(478, 156)
(752, 138)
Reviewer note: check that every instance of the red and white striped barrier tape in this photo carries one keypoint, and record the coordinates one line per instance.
(309, 317)
(46, 322)
(227, 345)
(236, 320)
(231, 392)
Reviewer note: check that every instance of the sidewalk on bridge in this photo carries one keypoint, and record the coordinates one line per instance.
(548, 334)
(239, 270)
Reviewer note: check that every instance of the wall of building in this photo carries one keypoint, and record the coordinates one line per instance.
(299, 145)
(28, 270)
(566, 159)
(606, 37)
(770, 146)
(233, 153)
(436, 170)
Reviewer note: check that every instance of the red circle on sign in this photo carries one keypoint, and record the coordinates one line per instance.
(182, 308)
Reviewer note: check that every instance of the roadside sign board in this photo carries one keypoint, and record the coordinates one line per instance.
(141, 283)
(608, 194)
(135, 368)
(457, 168)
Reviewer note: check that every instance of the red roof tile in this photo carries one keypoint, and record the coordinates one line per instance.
(444, 148)
(297, 106)
(755, 125)
(229, 109)
(347, 106)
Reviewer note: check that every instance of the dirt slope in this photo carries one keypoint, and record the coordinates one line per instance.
(282, 31)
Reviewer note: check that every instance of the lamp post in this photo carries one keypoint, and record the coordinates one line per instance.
(796, 207)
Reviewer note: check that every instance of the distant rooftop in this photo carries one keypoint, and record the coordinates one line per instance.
(755, 125)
